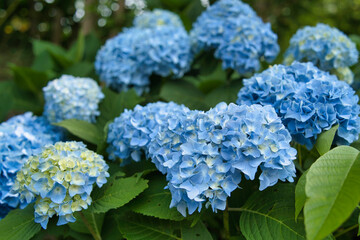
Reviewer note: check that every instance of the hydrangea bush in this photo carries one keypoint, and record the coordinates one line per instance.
(178, 127)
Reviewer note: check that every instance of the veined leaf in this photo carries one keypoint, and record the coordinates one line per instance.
(19, 224)
(325, 140)
(95, 220)
(155, 202)
(147, 228)
(198, 232)
(116, 193)
(82, 129)
(269, 215)
(300, 196)
(332, 189)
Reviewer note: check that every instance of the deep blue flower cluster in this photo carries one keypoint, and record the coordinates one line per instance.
(131, 132)
(60, 180)
(72, 97)
(157, 17)
(205, 154)
(307, 99)
(129, 59)
(20, 137)
(238, 36)
(326, 47)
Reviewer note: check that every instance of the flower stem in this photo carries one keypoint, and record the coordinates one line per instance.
(299, 155)
(226, 222)
(94, 232)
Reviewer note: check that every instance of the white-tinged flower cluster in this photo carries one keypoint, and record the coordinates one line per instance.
(20, 137)
(326, 47)
(60, 180)
(72, 98)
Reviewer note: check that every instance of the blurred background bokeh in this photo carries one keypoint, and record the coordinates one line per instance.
(60, 21)
(43, 39)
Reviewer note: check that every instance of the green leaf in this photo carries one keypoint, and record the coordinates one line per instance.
(185, 93)
(198, 232)
(269, 215)
(155, 202)
(115, 103)
(76, 51)
(95, 220)
(29, 79)
(117, 192)
(19, 224)
(359, 226)
(81, 69)
(147, 228)
(82, 129)
(92, 45)
(300, 196)
(40, 46)
(332, 189)
(6, 96)
(226, 94)
(43, 62)
(325, 140)
(62, 61)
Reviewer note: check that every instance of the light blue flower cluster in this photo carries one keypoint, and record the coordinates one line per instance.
(245, 41)
(238, 36)
(72, 97)
(326, 47)
(129, 59)
(130, 133)
(205, 154)
(307, 99)
(20, 137)
(60, 180)
(157, 17)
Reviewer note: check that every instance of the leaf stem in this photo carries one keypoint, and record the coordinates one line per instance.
(235, 209)
(94, 232)
(346, 230)
(226, 222)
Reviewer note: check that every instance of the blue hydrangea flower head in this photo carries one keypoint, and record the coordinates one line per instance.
(207, 31)
(72, 97)
(307, 99)
(326, 47)
(156, 18)
(130, 133)
(245, 41)
(20, 137)
(60, 180)
(129, 59)
(205, 154)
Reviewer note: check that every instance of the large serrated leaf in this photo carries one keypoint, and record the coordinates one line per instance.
(146, 228)
(19, 224)
(269, 215)
(82, 129)
(155, 202)
(95, 220)
(332, 189)
(197, 232)
(325, 140)
(116, 193)
(300, 196)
